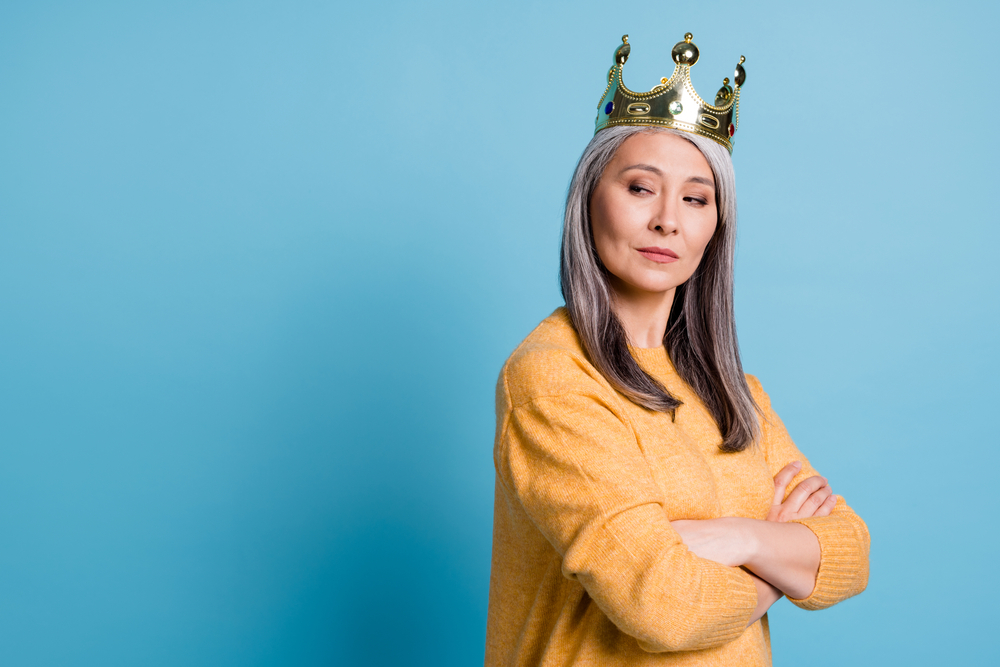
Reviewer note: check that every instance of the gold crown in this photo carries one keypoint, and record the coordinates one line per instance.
(673, 102)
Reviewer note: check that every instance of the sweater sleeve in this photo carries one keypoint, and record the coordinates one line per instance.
(575, 466)
(843, 536)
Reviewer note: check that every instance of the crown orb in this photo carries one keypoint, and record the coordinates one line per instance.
(741, 74)
(724, 94)
(621, 53)
(685, 53)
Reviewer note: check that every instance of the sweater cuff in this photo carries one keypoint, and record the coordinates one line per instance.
(841, 559)
(725, 618)
(741, 603)
(736, 608)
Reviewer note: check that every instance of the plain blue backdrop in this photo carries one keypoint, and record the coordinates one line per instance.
(261, 262)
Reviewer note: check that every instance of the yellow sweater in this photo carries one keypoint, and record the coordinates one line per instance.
(586, 568)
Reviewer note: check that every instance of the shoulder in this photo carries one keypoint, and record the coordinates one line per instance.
(549, 362)
(760, 396)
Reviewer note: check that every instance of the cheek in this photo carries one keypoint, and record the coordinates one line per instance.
(605, 240)
(704, 233)
(613, 248)
(697, 239)
(607, 233)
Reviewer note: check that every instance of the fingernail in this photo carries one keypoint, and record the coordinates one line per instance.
(797, 464)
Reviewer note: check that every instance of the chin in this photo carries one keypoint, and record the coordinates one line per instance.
(655, 283)
(649, 286)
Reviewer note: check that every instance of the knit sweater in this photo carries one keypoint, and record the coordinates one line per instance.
(586, 568)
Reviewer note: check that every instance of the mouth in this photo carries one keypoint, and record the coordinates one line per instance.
(658, 255)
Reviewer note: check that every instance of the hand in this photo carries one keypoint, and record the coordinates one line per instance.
(725, 541)
(812, 497)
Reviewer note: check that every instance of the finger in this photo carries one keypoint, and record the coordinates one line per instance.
(783, 479)
(781, 482)
(827, 507)
(793, 503)
(814, 501)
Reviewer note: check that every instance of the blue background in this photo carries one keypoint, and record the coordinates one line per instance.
(261, 262)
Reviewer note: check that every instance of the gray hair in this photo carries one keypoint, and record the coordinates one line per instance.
(701, 331)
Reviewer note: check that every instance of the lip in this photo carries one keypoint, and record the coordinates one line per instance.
(658, 255)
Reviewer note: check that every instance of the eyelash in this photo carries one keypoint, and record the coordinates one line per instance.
(638, 188)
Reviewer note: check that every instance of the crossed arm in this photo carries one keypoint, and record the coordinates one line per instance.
(783, 558)
(570, 465)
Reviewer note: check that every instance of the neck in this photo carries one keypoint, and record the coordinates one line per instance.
(644, 315)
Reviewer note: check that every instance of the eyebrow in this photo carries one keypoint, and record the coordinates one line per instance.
(659, 172)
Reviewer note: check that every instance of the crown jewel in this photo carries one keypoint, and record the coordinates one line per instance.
(673, 102)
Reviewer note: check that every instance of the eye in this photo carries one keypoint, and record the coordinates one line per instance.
(638, 189)
(699, 201)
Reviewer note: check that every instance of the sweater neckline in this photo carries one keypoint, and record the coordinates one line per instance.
(654, 360)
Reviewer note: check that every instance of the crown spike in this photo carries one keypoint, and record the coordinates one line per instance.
(621, 53)
(741, 74)
(725, 93)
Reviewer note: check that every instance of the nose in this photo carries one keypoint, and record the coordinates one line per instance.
(664, 218)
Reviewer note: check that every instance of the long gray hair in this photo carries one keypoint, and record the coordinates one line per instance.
(701, 330)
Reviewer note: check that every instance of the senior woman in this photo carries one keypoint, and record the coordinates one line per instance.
(650, 505)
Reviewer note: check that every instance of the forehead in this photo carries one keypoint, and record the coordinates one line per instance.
(667, 152)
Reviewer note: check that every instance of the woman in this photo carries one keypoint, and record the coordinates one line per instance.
(650, 505)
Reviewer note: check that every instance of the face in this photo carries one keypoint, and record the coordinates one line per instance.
(653, 213)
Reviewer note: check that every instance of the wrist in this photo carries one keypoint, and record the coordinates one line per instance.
(750, 539)
(767, 595)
